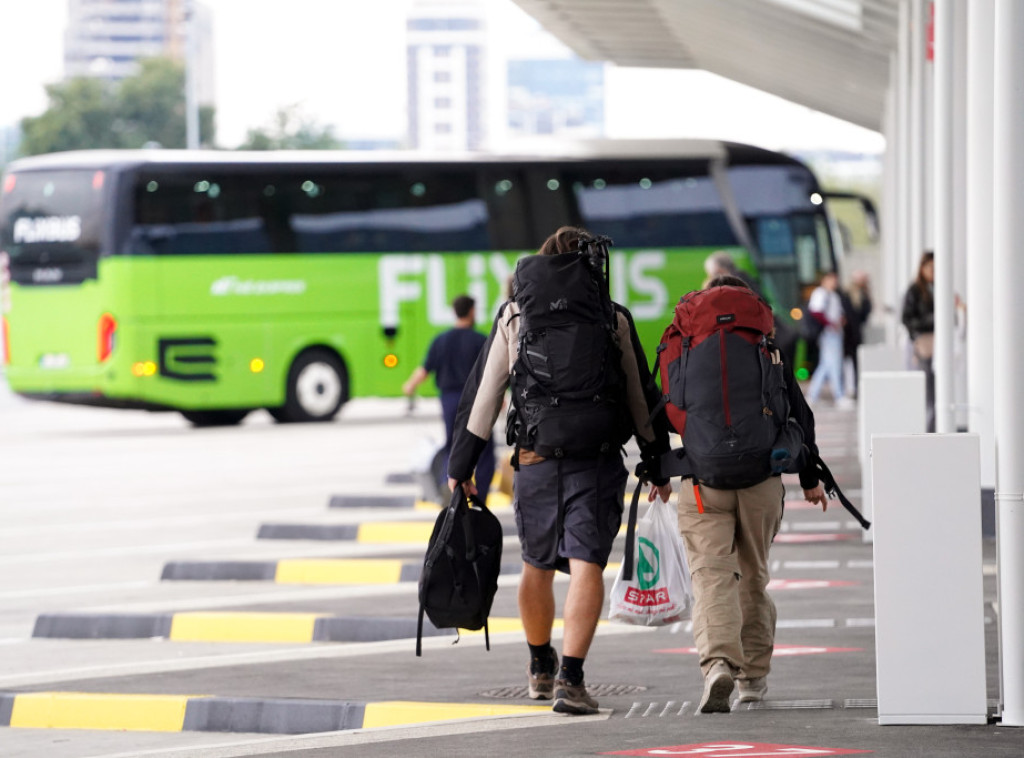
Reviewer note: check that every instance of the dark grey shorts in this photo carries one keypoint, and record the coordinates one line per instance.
(592, 493)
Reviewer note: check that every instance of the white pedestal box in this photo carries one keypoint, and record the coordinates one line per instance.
(929, 601)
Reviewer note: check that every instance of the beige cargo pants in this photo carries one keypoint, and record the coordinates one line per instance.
(727, 549)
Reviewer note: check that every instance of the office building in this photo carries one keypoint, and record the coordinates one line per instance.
(106, 38)
(563, 98)
(447, 65)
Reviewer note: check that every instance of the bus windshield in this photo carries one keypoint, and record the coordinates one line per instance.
(50, 225)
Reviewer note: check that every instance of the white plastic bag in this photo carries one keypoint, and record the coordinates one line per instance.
(660, 592)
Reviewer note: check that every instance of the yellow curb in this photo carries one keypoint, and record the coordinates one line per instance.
(338, 571)
(243, 627)
(74, 710)
(385, 532)
(399, 712)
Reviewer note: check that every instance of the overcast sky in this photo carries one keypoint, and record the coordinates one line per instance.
(343, 63)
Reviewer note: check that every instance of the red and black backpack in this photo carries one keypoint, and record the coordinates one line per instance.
(724, 390)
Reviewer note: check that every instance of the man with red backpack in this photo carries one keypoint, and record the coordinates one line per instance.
(744, 421)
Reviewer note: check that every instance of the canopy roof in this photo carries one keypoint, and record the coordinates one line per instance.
(829, 55)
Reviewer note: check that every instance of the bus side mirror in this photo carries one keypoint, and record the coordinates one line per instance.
(867, 206)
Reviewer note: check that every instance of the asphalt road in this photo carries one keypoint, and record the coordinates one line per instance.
(149, 584)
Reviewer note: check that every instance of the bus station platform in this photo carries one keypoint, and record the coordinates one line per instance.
(365, 693)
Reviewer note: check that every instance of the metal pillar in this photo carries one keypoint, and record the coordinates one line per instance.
(916, 138)
(942, 189)
(902, 264)
(191, 96)
(1008, 175)
(980, 401)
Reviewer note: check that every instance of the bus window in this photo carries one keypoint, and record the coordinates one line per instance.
(51, 225)
(652, 206)
(198, 212)
(506, 193)
(408, 211)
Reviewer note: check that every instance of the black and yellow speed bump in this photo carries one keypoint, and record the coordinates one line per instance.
(200, 713)
(220, 626)
(339, 571)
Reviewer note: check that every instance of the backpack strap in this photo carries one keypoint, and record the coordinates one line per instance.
(832, 490)
(419, 633)
(628, 555)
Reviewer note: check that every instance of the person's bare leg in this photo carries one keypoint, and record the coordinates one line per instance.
(582, 607)
(537, 603)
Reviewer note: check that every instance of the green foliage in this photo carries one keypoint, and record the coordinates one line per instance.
(290, 130)
(86, 113)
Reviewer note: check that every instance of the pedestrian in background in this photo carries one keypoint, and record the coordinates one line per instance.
(919, 319)
(450, 358)
(856, 310)
(826, 307)
(568, 502)
(728, 533)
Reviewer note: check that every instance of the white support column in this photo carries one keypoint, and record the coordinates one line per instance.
(980, 401)
(943, 198)
(960, 210)
(192, 137)
(929, 599)
(1008, 156)
(890, 221)
(916, 137)
(903, 263)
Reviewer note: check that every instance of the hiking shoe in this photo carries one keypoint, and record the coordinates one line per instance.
(573, 699)
(542, 684)
(718, 686)
(752, 690)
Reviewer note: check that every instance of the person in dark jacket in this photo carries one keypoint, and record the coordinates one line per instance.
(450, 358)
(919, 319)
(856, 309)
(568, 510)
(728, 534)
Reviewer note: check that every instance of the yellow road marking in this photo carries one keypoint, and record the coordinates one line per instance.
(398, 712)
(384, 532)
(76, 710)
(338, 571)
(243, 627)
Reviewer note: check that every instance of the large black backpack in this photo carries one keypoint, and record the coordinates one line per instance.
(461, 567)
(568, 387)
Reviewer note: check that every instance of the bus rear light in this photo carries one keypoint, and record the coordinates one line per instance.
(9, 183)
(97, 180)
(7, 342)
(106, 331)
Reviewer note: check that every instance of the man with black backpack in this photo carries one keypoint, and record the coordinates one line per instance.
(580, 389)
(744, 421)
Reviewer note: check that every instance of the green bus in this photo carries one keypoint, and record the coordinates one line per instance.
(216, 283)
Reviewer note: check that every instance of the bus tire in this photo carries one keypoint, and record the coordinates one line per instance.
(215, 418)
(317, 388)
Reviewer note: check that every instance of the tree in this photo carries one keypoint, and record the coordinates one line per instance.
(289, 129)
(86, 113)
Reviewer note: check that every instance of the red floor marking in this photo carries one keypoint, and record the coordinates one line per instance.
(737, 749)
(780, 650)
(826, 537)
(807, 584)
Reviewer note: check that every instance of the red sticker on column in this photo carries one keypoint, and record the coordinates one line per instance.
(737, 749)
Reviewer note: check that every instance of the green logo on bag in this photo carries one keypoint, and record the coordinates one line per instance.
(648, 564)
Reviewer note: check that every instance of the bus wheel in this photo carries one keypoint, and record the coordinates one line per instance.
(317, 388)
(214, 418)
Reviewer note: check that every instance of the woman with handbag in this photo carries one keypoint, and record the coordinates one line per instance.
(919, 319)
